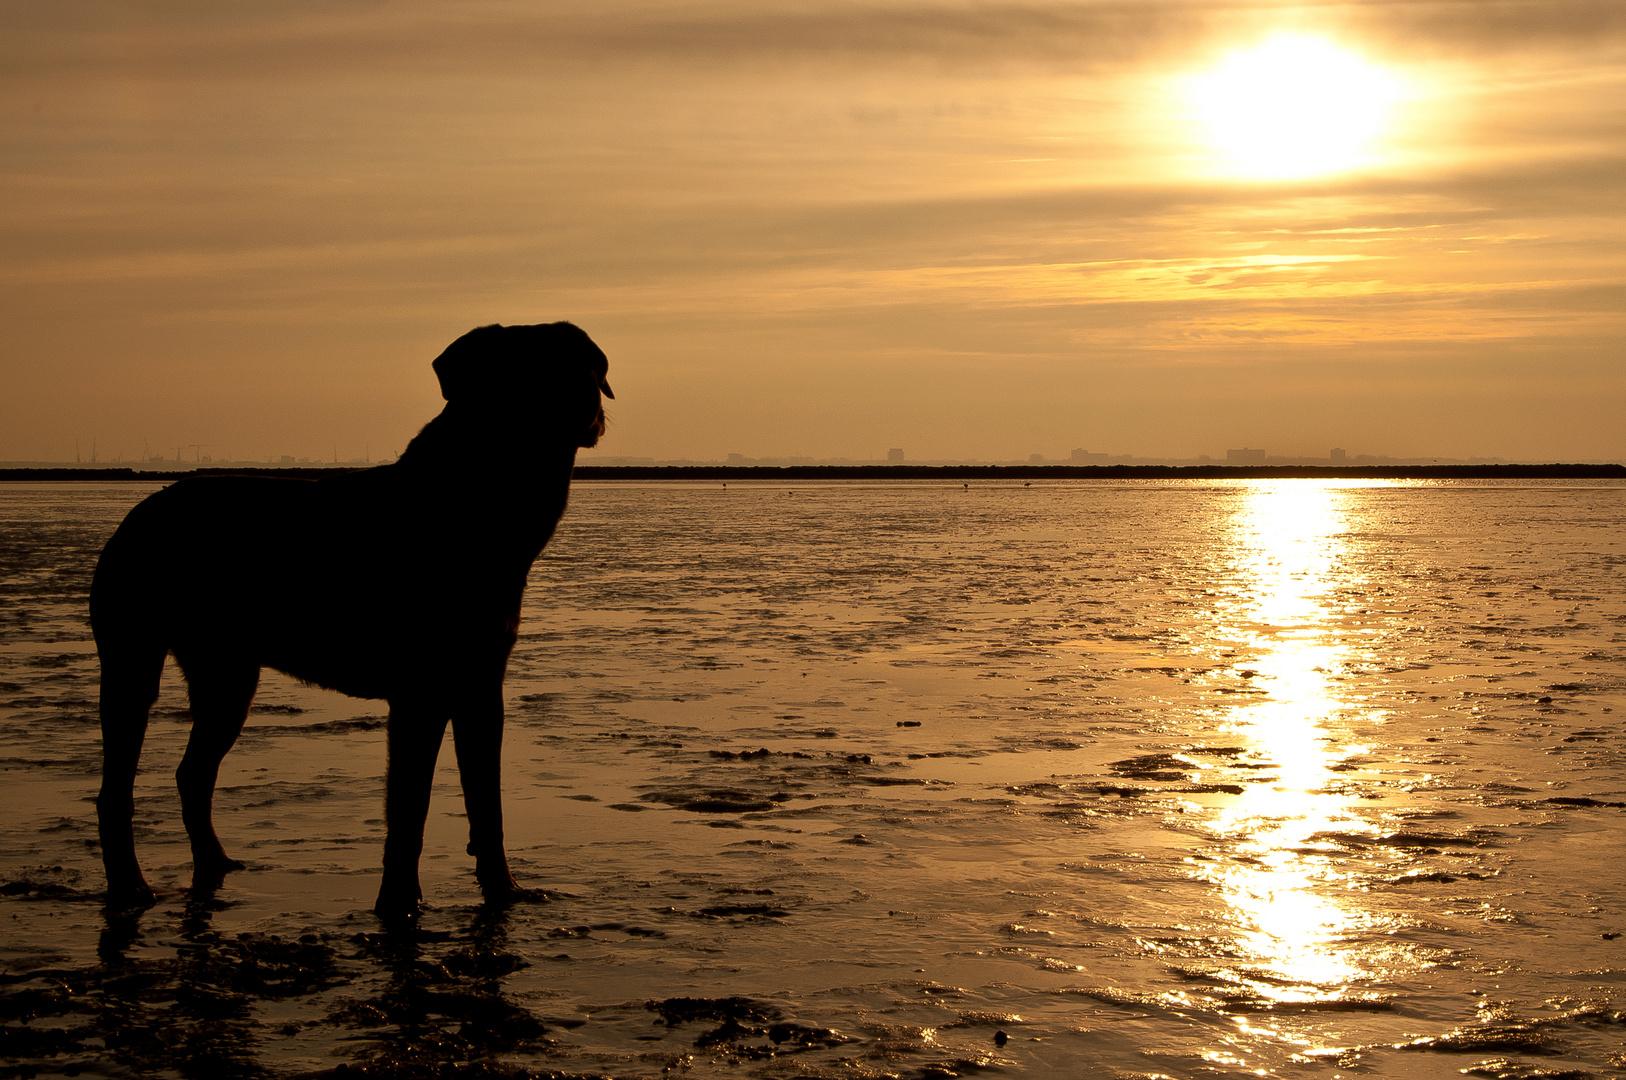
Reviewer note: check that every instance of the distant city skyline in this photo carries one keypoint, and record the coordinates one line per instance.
(892, 455)
(192, 453)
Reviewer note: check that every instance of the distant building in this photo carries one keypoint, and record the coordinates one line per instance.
(1035, 459)
(736, 459)
(1245, 456)
(895, 455)
(1084, 457)
(1337, 454)
(287, 459)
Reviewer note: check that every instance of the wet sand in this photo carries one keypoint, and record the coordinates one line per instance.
(1122, 778)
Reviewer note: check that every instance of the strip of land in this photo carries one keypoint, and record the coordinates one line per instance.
(951, 473)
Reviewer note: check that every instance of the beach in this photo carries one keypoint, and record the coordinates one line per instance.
(1123, 778)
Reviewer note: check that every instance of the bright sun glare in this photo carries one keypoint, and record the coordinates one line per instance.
(1294, 106)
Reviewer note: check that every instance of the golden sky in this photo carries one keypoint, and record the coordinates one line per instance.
(966, 229)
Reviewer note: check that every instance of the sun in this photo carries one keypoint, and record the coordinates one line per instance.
(1294, 106)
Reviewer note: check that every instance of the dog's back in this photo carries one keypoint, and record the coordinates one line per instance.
(256, 569)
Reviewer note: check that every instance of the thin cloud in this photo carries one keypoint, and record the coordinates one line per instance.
(235, 41)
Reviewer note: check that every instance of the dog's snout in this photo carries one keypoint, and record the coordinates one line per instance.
(595, 429)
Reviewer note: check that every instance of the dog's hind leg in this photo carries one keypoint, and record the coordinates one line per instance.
(415, 734)
(477, 734)
(131, 668)
(221, 692)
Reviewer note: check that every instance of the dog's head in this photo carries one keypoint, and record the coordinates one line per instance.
(551, 368)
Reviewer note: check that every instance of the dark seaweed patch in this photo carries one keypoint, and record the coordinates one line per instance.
(1408, 839)
(54, 660)
(1574, 800)
(737, 911)
(1347, 1002)
(710, 800)
(761, 754)
(1419, 877)
(685, 1010)
(740, 1019)
(49, 883)
(1520, 1038)
(1152, 767)
(1506, 1069)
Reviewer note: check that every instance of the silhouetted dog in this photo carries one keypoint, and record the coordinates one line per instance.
(401, 582)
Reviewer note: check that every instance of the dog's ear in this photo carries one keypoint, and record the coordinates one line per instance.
(495, 362)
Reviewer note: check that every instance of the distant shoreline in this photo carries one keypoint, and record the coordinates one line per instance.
(958, 473)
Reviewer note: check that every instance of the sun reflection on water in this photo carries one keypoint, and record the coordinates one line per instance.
(1289, 544)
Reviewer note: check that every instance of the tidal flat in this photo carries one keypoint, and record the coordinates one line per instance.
(1118, 778)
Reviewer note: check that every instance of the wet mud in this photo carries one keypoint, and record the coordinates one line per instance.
(1120, 779)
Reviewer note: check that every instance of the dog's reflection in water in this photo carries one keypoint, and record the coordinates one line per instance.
(401, 582)
(192, 999)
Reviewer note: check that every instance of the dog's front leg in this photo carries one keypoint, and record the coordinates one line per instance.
(415, 733)
(477, 733)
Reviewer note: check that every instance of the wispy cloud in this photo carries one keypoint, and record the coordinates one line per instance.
(428, 37)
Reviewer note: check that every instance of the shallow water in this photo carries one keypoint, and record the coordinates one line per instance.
(1121, 779)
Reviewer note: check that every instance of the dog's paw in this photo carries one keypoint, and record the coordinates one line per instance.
(138, 896)
(398, 912)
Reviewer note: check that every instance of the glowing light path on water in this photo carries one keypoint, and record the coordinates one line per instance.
(1289, 539)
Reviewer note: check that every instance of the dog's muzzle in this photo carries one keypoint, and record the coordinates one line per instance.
(595, 429)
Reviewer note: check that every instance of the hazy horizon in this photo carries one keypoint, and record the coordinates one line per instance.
(587, 457)
(978, 230)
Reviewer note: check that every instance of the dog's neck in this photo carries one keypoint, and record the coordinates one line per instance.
(487, 480)
(472, 443)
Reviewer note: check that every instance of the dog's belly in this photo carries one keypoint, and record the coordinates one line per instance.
(351, 639)
(352, 681)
